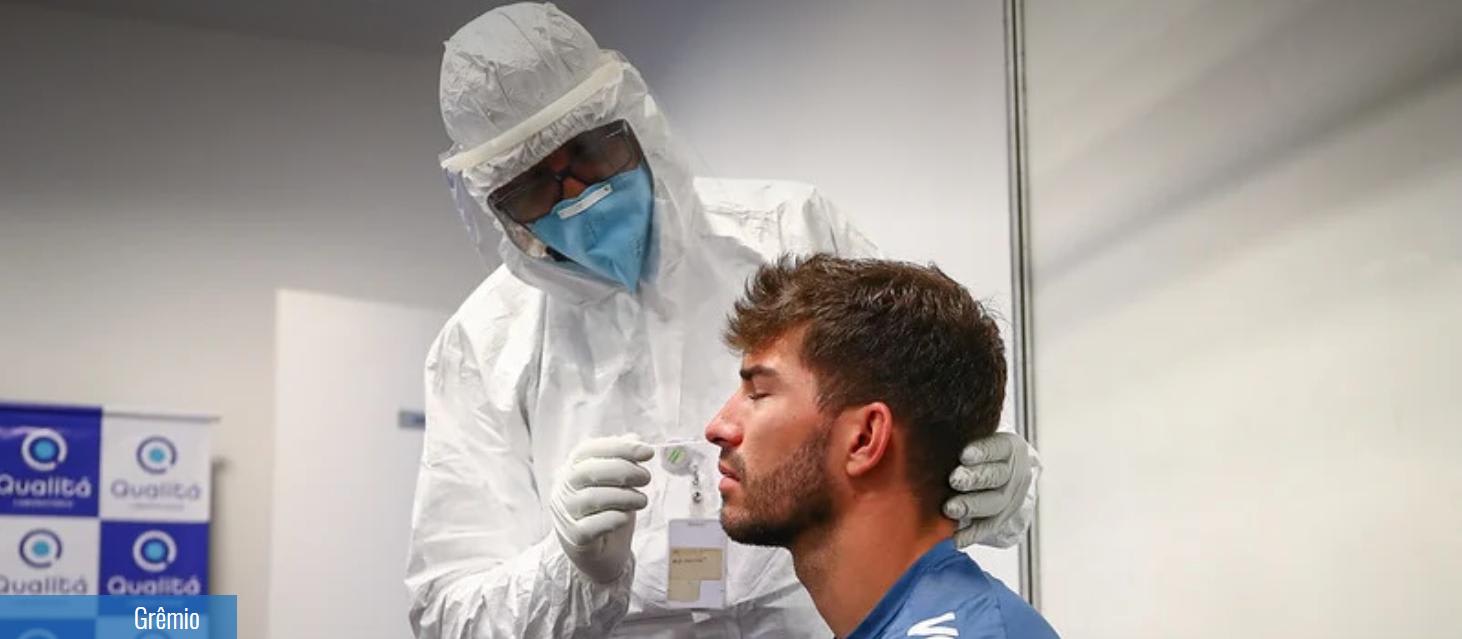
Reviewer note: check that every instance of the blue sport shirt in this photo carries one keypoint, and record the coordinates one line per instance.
(946, 594)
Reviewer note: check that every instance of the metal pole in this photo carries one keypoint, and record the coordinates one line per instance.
(1020, 368)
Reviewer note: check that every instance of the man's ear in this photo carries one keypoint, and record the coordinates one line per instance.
(870, 437)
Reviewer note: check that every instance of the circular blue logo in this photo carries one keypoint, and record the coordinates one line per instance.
(157, 454)
(40, 548)
(154, 551)
(42, 449)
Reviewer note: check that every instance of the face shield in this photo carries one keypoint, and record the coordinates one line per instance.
(489, 194)
(591, 202)
(586, 160)
(507, 128)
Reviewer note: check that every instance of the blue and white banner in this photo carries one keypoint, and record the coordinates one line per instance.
(50, 460)
(154, 469)
(154, 559)
(102, 502)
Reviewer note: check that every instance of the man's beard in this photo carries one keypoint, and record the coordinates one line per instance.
(788, 500)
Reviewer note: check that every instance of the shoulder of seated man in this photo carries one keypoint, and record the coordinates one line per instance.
(956, 598)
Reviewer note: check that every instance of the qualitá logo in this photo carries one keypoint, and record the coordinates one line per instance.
(40, 548)
(46, 486)
(157, 454)
(43, 449)
(154, 551)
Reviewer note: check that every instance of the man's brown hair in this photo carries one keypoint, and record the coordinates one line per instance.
(880, 330)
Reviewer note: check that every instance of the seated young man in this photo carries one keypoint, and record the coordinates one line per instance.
(858, 378)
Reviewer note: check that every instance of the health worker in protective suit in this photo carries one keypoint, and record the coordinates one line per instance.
(565, 398)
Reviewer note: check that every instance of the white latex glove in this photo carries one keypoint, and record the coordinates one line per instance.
(595, 500)
(995, 501)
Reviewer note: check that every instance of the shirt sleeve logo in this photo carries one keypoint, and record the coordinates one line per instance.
(930, 627)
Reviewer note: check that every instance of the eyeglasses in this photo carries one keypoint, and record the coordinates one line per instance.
(593, 156)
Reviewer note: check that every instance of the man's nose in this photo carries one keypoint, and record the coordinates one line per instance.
(572, 187)
(722, 429)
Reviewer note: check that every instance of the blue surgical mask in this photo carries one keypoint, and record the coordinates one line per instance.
(606, 229)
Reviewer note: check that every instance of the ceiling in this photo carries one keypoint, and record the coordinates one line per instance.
(391, 26)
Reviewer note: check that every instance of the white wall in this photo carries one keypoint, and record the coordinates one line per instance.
(344, 468)
(895, 110)
(157, 184)
(1248, 267)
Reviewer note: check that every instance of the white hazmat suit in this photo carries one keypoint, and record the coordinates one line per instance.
(544, 355)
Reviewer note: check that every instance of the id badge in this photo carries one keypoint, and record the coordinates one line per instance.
(697, 564)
